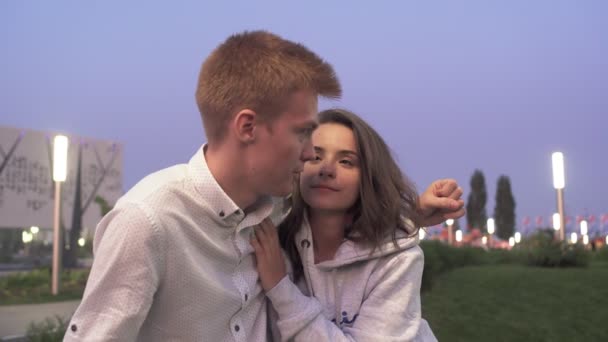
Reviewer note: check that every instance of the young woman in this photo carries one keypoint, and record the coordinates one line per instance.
(351, 240)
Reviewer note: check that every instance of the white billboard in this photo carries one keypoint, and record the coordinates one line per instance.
(26, 183)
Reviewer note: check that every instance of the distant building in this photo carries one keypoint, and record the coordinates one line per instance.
(26, 183)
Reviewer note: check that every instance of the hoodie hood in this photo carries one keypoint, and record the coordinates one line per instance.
(351, 252)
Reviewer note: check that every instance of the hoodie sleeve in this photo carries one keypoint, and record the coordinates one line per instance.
(391, 311)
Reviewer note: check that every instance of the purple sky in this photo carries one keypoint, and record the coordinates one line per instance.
(452, 86)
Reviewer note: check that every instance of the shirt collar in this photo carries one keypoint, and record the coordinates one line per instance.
(222, 208)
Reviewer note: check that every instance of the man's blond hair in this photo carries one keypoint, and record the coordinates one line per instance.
(258, 70)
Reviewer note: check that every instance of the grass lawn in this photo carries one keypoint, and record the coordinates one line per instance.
(518, 303)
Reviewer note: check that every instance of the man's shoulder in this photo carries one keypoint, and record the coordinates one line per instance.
(154, 183)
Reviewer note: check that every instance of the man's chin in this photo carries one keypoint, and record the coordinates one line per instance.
(283, 191)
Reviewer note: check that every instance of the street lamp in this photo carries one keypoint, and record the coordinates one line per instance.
(584, 229)
(26, 237)
(490, 225)
(449, 223)
(586, 239)
(559, 182)
(511, 241)
(458, 235)
(573, 238)
(557, 223)
(517, 237)
(60, 166)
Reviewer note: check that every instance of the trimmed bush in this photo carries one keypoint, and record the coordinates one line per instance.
(35, 286)
(544, 251)
(439, 258)
(601, 255)
(539, 250)
(50, 330)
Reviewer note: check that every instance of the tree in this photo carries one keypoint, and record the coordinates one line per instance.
(504, 211)
(104, 206)
(71, 248)
(476, 203)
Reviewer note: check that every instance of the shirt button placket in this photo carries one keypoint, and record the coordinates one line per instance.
(237, 329)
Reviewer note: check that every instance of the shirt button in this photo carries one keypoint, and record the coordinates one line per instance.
(246, 297)
(237, 328)
(74, 327)
(222, 213)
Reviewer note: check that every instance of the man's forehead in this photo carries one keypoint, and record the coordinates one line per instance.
(310, 123)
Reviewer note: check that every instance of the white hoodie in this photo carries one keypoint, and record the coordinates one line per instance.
(354, 297)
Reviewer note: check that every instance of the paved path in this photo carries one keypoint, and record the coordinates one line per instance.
(14, 319)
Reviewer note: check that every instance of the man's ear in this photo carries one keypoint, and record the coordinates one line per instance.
(244, 125)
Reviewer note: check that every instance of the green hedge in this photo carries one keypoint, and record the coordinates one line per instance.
(49, 330)
(35, 286)
(439, 258)
(544, 251)
(601, 255)
(539, 250)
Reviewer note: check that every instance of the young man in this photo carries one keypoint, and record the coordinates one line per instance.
(173, 259)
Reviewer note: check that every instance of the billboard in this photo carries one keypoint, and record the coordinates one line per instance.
(26, 180)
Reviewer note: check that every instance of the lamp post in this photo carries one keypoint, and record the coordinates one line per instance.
(459, 236)
(584, 227)
(490, 225)
(557, 222)
(559, 183)
(60, 165)
(27, 238)
(573, 238)
(450, 223)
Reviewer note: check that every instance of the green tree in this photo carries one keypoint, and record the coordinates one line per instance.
(504, 211)
(476, 202)
(104, 206)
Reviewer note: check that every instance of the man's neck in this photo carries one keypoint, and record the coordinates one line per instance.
(327, 231)
(229, 172)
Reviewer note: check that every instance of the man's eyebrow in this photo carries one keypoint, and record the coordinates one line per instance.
(308, 126)
(312, 125)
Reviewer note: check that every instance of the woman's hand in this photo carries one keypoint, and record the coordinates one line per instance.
(268, 254)
(441, 201)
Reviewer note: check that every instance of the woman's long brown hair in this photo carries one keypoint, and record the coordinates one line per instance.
(386, 197)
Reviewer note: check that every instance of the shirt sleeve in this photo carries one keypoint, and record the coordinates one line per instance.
(391, 312)
(127, 268)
